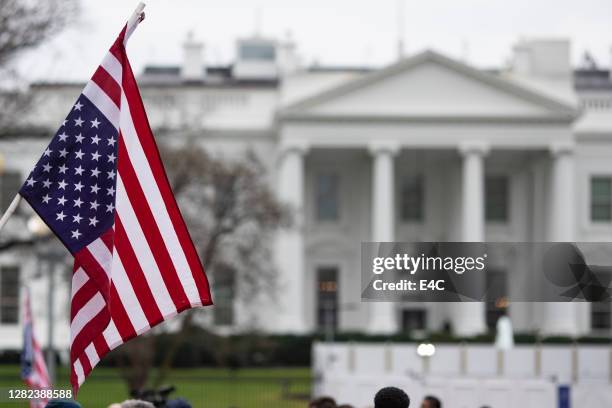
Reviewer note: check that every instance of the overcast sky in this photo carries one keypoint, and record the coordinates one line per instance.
(330, 32)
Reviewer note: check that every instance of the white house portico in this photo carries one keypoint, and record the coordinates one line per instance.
(428, 104)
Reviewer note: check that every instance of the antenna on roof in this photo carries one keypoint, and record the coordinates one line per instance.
(465, 50)
(400, 29)
(257, 21)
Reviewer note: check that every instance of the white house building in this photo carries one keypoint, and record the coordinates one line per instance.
(426, 149)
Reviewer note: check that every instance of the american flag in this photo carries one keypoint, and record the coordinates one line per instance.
(33, 368)
(101, 187)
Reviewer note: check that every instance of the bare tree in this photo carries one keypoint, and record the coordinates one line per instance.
(232, 215)
(24, 25)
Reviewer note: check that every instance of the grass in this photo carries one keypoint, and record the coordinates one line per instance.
(203, 387)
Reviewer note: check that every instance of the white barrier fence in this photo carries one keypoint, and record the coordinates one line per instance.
(467, 376)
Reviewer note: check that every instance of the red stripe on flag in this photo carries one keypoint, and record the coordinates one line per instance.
(108, 238)
(149, 227)
(101, 346)
(84, 295)
(145, 135)
(89, 332)
(120, 317)
(136, 275)
(86, 364)
(108, 84)
(92, 268)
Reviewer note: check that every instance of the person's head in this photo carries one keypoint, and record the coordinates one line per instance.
(345, 406)
(431, 402)
(62, 403)
(178, 403)
(136, 404)
(323, 402)
(391, 397)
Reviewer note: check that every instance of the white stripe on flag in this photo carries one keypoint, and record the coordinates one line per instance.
(102, 255)
(103, 102)
(127, 296)
(143, 252)
(111, 335)
(92, 354)
(111, 64)
(86, 314)
(78, 369)
(79, 278)
(156, 202)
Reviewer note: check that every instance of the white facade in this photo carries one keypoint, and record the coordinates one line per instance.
(359, 135)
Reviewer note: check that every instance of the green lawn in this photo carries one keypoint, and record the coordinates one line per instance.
(205, 387)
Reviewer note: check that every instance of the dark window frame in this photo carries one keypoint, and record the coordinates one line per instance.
(224, 284)
(331, 193)
(9, 302)
(497, 289)
(10, 182)
(412, 198)
(600, 208)
(328, 292)
(419, 315)
(497, 198)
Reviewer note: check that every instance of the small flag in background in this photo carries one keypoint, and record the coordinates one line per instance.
(101, 187)
(33, 368)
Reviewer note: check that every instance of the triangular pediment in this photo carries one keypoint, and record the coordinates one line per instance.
(430, 85)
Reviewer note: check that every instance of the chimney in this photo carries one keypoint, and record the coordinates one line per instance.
(193, 60)
(610, 68)
(548, 58)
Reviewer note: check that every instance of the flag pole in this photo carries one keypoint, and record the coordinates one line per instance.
(137, 16)
(9, 211)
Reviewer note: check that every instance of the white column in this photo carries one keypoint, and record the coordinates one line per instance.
(383, 319)
(290, 242)
(468, 318)
(560, 318)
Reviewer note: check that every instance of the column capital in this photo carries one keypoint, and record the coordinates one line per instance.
(474, 147)
(294, 146)
(383, 146)
(562, 148)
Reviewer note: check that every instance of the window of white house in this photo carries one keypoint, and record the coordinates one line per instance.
(601, 198)
(9, 295)
(224, 282)
(601, 316)
(327, 298)
(496, 198)
(327, 195)
(414, 319)
(496, 281)
(257, 52)
(10, 182)
(412, 198)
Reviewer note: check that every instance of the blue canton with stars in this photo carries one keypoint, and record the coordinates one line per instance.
(72, 187)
